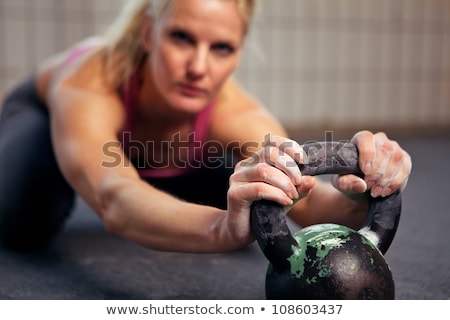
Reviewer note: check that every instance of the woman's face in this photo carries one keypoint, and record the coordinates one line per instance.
(196, 49)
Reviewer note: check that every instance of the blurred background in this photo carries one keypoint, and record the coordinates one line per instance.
(318, 65)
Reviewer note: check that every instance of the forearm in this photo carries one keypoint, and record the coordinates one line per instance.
(326, 204)
(137, 211)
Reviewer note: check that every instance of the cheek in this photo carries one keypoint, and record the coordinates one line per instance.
(165, 64)
(223, 71)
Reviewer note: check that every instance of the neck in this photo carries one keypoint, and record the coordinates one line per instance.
(154, 108)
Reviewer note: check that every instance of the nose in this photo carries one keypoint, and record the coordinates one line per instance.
(198, 63)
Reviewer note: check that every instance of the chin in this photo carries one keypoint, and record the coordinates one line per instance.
(190, 104)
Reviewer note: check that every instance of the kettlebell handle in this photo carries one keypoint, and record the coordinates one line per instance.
(268, 218)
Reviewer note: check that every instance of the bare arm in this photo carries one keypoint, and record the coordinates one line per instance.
(85, 119)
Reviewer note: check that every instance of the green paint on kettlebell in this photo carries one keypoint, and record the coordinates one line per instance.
(311, 280)
(324, 272)
(297, 260)
(323, 238)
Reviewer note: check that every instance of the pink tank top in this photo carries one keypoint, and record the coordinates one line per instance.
(129, 95)
(196, 141)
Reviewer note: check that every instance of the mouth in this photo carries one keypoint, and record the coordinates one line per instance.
(191, 90)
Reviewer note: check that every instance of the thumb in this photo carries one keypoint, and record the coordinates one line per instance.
(349, 183)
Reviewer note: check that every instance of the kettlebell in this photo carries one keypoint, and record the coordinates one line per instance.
(328, 261)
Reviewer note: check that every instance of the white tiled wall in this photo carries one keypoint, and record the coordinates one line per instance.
(324, 63)
(357, 63)
(32, 30)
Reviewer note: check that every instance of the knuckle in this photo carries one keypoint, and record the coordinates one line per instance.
(238, 166)
(381, 135)
(363, 134)
(262, 171)
(234, 178)
(368, 153)
(398, 156)
(260, 191)
(248, 162)
(273, 154)
(386, 147)
(231, 193)
(341, 183)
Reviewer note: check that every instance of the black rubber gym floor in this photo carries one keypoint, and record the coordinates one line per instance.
(88, 263)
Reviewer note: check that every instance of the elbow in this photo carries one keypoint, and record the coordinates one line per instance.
(112, 223)
(109, 211)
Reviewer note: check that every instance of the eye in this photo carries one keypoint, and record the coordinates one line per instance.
(223, 49)
(180, 36)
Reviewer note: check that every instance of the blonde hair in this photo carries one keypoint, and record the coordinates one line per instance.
(123, 49)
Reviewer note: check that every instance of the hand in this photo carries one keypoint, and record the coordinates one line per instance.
(386, 166)
(271, 173)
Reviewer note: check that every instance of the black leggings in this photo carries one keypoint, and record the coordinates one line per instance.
(35, 199)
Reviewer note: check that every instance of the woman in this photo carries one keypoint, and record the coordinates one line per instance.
(142, 123)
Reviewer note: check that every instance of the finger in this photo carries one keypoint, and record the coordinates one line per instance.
(379, 149)
(287, 146)
(249, 192)
(365, 142)
(384, 150)
(285, 163)
(387, 174)
(399, 177)
(266, 173)
(349, 183)
(278, 159)
(385, 167)
(305, 187)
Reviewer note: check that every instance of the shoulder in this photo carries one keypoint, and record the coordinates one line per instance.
(238, 116)
(80, 89)
(80, 65)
